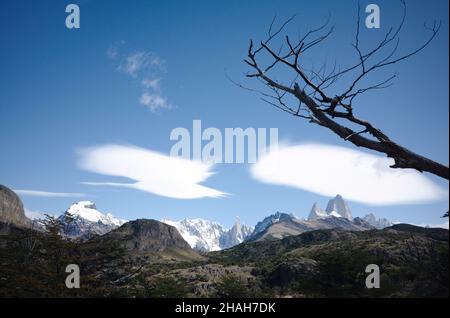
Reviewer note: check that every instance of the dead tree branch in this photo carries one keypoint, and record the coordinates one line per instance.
(310, 87)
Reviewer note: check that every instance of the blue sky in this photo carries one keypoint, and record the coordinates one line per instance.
(61, 92)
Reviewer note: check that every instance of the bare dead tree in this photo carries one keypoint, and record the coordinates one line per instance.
(310, 88)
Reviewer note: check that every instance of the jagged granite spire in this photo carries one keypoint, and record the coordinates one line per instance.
(316, 212)
(338, 205)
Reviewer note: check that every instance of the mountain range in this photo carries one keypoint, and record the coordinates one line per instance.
(82, 220)
(206, 236)
(148, 258)
(337, 215)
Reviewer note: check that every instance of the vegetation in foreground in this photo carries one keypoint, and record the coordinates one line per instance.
(413, 262)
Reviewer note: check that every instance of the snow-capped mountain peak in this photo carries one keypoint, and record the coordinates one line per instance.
(200, 234)
(205, 235)
(87, 221)
(88, 211)
(336, 207)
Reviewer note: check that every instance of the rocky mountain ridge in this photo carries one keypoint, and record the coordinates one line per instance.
(11, 208)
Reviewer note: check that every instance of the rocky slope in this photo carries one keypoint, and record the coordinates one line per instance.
(150, 237)
(11, 208)
(413, 262)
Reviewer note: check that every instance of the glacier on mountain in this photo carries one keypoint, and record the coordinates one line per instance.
(204, 235)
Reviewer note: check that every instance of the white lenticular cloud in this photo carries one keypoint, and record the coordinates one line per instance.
(152, 172)
(358, 176)
(47, 194)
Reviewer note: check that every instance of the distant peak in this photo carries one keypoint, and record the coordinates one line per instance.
(205, 235)
(87, 210)
(272, 219)
(340, 206)
(378, 223)
(279, 214)
(316, 212)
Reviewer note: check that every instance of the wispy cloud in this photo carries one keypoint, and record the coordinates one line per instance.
(152, 171)
(142, 62)
(36, 215)
(148, 68)
(47, 194)
(358, 176)
(154, 101)
(153, 84)
(113, 51)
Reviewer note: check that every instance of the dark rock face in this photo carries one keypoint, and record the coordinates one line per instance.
(148, 236)
(11, 208)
